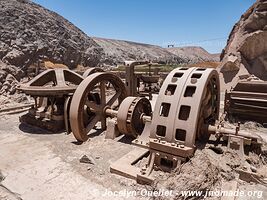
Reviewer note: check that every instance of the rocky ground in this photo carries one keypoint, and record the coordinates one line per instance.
(36, 164)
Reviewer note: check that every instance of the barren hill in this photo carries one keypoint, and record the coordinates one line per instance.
(193, 54)
(117, 51)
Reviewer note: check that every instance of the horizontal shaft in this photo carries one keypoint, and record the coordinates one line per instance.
(214, 129)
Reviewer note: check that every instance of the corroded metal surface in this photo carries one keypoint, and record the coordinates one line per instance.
(130, 113)
(51, 91)
(188, 98)
(52, 82)
(133, 80)
(91, 71)
(89, 103)
(247, 101)
(187, 101)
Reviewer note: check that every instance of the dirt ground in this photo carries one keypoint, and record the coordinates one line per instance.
(36, 164)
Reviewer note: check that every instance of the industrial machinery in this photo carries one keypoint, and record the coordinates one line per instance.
(52, 91)
(133, 80)
(247, 100)
(186, 111)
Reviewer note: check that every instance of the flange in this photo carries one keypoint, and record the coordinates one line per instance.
(130, 113)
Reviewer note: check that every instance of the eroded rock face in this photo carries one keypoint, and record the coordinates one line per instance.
(29, 31)
(246, 50)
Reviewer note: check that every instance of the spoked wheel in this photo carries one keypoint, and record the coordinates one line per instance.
(90, 102)
(92, 70)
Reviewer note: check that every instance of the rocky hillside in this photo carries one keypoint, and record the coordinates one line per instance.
(193, 54)
(116, 51)
(246, 49)
(29, 32)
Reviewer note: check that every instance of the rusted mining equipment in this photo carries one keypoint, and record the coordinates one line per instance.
(52, 91)
(186, 111)
(134, 80)
(247, 100)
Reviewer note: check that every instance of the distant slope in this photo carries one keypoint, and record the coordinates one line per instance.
(117, 51)
(193, 54)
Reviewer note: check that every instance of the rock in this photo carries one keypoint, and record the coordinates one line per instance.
(253, 169)
(231, 64)
(1, 177)
(10, 69)
(10, 78)
(14, 57)
(86, 159)
(246, 48)
(9, 86)
(217, 150)
(2, 75)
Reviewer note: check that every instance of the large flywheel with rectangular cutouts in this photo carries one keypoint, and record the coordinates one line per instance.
(188, 99)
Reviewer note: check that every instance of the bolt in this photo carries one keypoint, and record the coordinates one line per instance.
(163, 142)
(155, 140)
(182, 146)
(136, 141)
(173, 144)
(143, 170)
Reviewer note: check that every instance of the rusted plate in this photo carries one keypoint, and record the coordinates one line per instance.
(125, 165)
(52, 82)
(247, 101)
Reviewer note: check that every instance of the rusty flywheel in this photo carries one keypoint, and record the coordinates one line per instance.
(188, 99)
(130, 113)
(90, 102)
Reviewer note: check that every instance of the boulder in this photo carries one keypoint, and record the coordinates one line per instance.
(246, 49)
(10, 69)
(2, 76)
(14, 57)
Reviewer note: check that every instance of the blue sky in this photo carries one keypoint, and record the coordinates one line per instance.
(205, 23)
